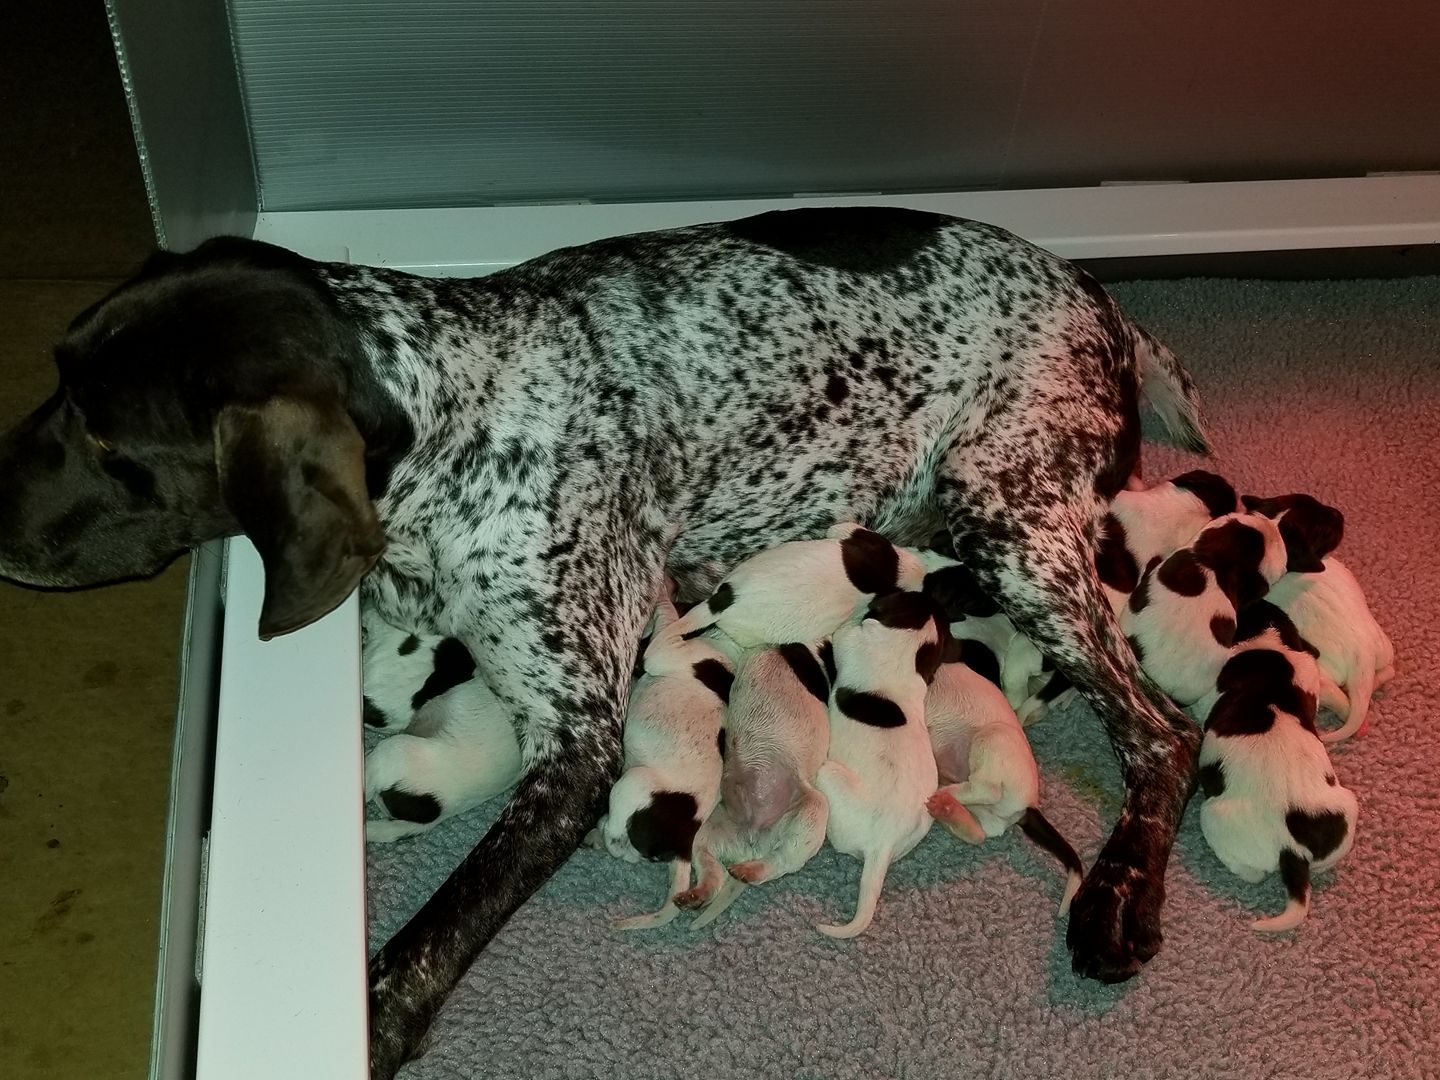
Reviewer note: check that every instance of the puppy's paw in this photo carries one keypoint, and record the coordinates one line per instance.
(697, 897)
(1115, 921)
(955, 816)
(753, 872)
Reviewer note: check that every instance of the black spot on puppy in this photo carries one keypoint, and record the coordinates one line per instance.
(927, 659)
(716, 677)
(901, 610)
(981, 659)
(372, 715)
(1235, 715)
(409, 806)
(958, 593)
(1140, 598)
(1136, 647)
(1322, 833)
(1256, 618)
(866, 708)
(1215, 492)
(409, 645)
(453, 666)
(1182, 574)
(665, 827)
(1233, 552)
(1113, 559)
(806, 669)
(1212, 779)
(1222, 629)
(871, 562)
(721, 598)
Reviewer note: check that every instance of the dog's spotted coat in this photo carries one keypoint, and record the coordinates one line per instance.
(543, 443)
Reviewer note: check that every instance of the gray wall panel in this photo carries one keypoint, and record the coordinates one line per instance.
(178, 66)
(366, 103)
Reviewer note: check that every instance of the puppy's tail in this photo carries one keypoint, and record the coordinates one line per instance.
(1037, 827)
(1295, 872)
(872, 878)
(1362, 688)
(1168, 389)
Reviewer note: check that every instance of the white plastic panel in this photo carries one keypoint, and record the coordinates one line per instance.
(1116, 221)
(282, 990)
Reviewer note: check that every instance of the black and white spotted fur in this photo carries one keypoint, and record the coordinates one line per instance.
(514, 458)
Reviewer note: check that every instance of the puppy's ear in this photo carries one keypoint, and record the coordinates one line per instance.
(1311, 530)
(292, 471)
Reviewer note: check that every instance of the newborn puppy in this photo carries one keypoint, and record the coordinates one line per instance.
(777, 735)
(1159, 520)
(985, 762)
(1272, 799)
(881, 769)
(1329, 611)
(982, 637)
(459, 748)
(800, 591)
(672, 742)
(1181, 618)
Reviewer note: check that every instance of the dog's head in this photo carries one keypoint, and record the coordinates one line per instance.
(1311, 530)
(216, 392)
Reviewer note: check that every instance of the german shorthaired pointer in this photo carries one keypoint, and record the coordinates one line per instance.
(512, 461)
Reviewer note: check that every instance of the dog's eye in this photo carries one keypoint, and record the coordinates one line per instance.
(103, 446)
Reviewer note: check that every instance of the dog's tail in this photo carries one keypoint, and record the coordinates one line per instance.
(872, 878)
(1168, 389)
(1357, 702)
(1037, 827)
(1295, 872)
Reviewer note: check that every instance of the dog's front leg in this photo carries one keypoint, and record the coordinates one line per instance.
(563, 651)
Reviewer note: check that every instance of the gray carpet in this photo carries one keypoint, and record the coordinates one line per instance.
(1327, 388)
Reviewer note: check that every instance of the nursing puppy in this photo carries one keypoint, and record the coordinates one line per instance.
(1328, 606)
(1272, 799)
(990, 777)
(1329, 611)
(672, 747)
(881, 768)
(458, 747)
(982, 636)
(797, 591)
(777, 736)
(1160, 520)
(1181, 617)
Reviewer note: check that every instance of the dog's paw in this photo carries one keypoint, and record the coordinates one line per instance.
(694, 898)
(1115, 921)
(955, 816)
(753, 872)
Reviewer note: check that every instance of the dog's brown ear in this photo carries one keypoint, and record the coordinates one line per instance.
(292, 471)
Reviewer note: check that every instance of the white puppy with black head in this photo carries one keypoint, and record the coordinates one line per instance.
(798, 591)
(1181, 617)
(672, 741)
(1329, 610)
(1273, 802)
(881, 769)
(456, 746)
(988, 771)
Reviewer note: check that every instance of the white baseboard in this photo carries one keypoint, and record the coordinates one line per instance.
(1110, 221)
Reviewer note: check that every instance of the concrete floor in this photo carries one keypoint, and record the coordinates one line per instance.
(87, 680)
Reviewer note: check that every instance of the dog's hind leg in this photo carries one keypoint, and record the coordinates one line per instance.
(1025, 514)
(679, 884)
(570, 688)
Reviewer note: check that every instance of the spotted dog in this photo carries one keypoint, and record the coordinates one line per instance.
(511, 460)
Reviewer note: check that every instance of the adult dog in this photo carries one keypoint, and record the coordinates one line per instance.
(516, 460)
